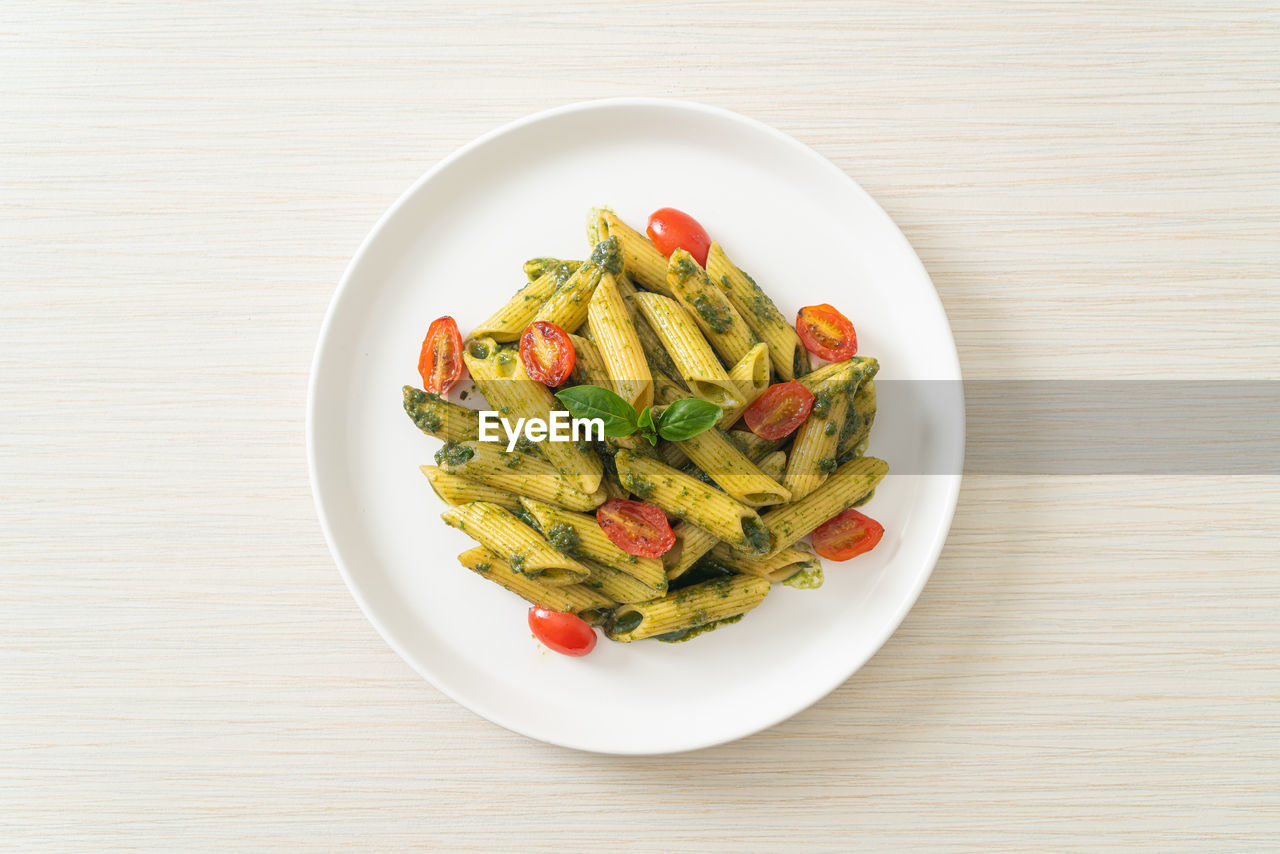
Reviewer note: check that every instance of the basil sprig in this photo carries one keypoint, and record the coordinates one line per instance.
(682, 420)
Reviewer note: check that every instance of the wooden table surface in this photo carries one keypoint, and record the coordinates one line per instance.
(1095, 189)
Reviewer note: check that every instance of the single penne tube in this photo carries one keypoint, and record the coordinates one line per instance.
(864, 368)
(751, 376)
(730, 469)
(523, 548)
(689, 498)
(522, 474)
(693, 606)
(789, 522)
(774, 464)
(581, 536)
(654, 351)
(567, 307)
(773, 568)
(693, 357)
(619, 345)
(813, 451)
(618, 585)
(570, 598)
(789, 357)
(502, 380)
(862, 414)
(752, 445)
(509, 322)
(588, 364)
(710, 309)
(692, 543)
(534, 268)
(641, 260)
(437, 417)
(454, 489)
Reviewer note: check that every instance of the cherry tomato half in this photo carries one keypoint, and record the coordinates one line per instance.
(780, 410)
(567, 634)
(546, 352)
(441, 361)
(847, 535)
(636, 528)
(826, 332)
(670, 229)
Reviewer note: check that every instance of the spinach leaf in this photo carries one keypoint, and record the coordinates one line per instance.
(592, 401)
(686, 418)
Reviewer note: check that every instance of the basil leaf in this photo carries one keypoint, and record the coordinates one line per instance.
(592, 401)
(646, 427)
(686, 418)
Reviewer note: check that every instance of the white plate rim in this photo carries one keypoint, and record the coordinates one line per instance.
(729, 734)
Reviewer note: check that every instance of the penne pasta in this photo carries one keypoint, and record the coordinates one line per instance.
(688, 498)
(570, 598)
(454, 489)
(789, 522)
(522, 547)
(730, 469)
(751, 376)
(813, 451)
(710, 309)
(581, 536)
(522, 474)
(692, 355)
(624, 358)
(790, 358)
(437, 417)
(641, 261)
(509, 322)
(774, 568)
(502, 380)
(693, 606)
(588, 364)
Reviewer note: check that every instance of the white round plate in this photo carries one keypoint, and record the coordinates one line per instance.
(454, 244)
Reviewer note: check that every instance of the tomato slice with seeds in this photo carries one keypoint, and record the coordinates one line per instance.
(635, 527)
(670, 229)
(546, 352)
(567, 634)
(847, 535)
(826, 332)
(440, 362)
(780, 410)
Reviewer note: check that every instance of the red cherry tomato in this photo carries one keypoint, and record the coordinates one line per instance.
(636, 528)
(670, 229)
(546, 352)
(826, 332)
(567, 634)
(441, 360)
(780, 410)
(847, 535)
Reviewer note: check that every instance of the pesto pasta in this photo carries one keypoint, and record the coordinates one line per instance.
(672, 501)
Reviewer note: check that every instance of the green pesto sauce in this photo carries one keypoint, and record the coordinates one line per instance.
(505, 357)
(715, 315)
(690, 633)
(637, 484)
(822, 403)
(628, 622)
(478, 350)
(525, 516)
(757, 535)
(564, 537)
(827, 465)
(685, 269)
(453, 454)
(830, 429)
(517, 561)
(607, 256)
(864, 499)
(511, 460)
(809, 578)
(483, 567)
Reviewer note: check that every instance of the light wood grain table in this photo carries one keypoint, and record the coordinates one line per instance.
(1095, 189)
